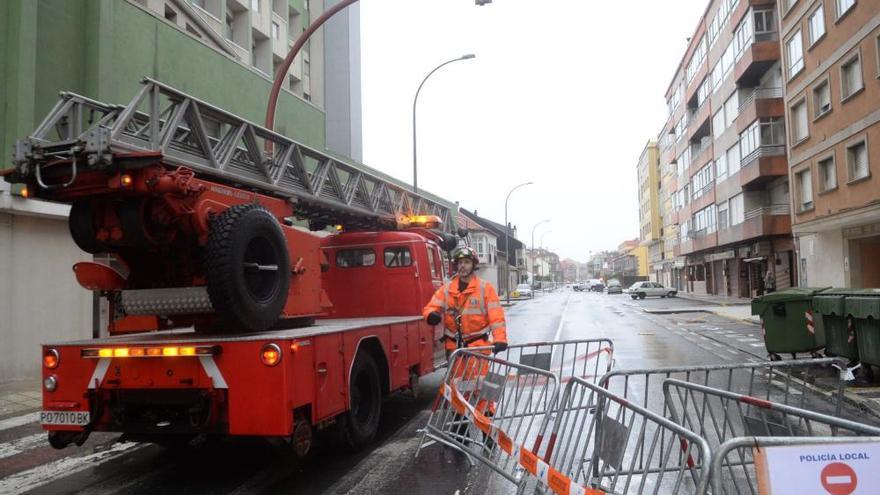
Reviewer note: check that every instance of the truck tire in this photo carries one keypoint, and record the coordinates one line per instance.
(357, 427)
(82, 227)
(247, 268)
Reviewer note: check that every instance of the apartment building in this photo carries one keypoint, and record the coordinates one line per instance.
(832, 97)
(722, 155)
(650, 226)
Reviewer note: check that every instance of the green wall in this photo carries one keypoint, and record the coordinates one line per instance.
(102, 49)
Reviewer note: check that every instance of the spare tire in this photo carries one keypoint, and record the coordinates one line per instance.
(82, 227)
(247, 269)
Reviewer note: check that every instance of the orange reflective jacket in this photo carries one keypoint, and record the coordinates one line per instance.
(479, 308)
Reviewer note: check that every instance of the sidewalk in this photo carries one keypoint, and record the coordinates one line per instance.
(733, 308)
(713, 299)
(19, 397)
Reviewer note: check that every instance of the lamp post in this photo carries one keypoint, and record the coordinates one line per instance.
(467, 56)
(507, 242)
(533, 245)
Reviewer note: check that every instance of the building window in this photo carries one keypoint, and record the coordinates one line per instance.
(737, 212)
(787, 5)
(733, 159)
(851, 77)
(843, 6)
(721, 168)
(817, 25)
(821, 99)
(794, 54)
(276, 29)
(799, 128)
(804, 191)
(718, 123)
(827, 174)
(731, 109)
(857, 161)
(723, 215)
(170, 14)
(255, 6)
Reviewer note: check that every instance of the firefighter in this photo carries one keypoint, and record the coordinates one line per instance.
(468, 307)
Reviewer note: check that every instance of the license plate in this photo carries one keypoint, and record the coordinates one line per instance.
(65, 418)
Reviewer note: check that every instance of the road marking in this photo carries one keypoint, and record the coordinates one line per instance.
(561, 320)
(47, 473)
(10, 449)
(19, 421)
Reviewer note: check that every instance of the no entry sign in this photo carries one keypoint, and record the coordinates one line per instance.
(839, 478)
(822, 469)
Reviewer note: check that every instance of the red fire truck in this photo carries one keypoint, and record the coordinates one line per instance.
(226, 316)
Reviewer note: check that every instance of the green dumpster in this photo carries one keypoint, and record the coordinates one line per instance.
(840, 337)
(787, 321)
(864, 308)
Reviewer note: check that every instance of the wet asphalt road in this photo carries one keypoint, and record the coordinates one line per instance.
(28, 464)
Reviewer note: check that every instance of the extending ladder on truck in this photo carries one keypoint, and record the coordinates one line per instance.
(187, 132)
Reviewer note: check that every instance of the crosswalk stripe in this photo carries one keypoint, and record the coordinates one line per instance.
(10, 449)
(19, 421)
(47, 473)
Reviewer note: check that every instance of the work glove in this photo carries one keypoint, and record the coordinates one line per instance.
(499, 347)
(434, 318)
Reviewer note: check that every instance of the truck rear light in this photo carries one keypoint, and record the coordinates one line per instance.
(270, 354)
(126, 180)
(51, 359)
(140, 352)
(50, 384)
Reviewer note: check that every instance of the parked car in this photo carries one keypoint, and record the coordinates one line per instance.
(525, 290)
(613, 288)
(641, 290)
(597, 287)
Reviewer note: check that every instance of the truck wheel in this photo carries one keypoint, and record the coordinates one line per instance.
(358, 425)
(82, 227)
(247, 268)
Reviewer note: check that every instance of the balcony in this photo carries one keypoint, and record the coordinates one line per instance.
(760, 103)
(700, 156)
(756, 58)
(698, 240)
(763, 165)
(698, 122)
(760, 222)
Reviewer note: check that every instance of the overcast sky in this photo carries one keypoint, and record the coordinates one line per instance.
(564, 93)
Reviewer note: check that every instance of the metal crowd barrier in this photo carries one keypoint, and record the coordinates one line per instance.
(588, 359)
(691, 429)
(602, 441)
(719, 416)
(481, 396)
(790, 382)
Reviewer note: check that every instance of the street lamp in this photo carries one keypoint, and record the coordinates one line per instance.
(507, 242)
(467, 56)
(533, 246)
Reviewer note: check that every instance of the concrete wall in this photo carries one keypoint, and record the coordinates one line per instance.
(821, 259)
(40, 300)
(342, 82)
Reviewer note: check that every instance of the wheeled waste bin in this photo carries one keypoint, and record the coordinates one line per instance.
(840, 336)
(787, 321)
(864, 308)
